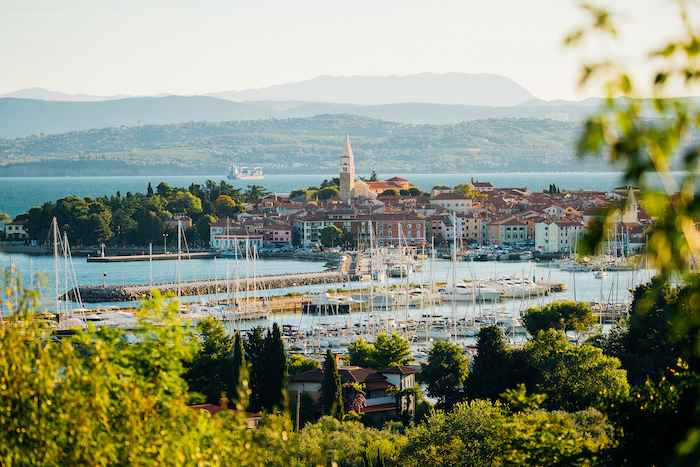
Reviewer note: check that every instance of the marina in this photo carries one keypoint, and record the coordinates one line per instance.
(335, 309)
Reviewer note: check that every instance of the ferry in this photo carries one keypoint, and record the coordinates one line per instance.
(246, 173)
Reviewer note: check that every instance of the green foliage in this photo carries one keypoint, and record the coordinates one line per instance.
(348, 444)
(384, 352)
(639, 146)
(572, 376)
(484, 433)
(255, 356)
(298, 364)
(202, 227)
(445, 372)
(490, 369)
(389, 192)
(225, 206)
(328, 192)
(331, 236)
(100, 399)
(413, 191)
(185, 202)
(332, 183)
(653, 419)
(389, 147)
(212, 369)
(332, 388)
(275, 371)
(267, 369)
(564, 316)
(255, 192)
(239, 376)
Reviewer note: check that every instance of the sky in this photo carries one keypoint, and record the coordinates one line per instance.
(149, 47)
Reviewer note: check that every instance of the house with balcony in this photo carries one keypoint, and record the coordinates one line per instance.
(378, 402)
(15, 230)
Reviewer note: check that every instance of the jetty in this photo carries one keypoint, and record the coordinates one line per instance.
(156, 257)
(126, 293)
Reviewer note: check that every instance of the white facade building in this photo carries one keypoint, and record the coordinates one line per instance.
(557, 236)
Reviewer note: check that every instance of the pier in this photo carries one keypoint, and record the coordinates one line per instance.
(126, 293)
(156, 257)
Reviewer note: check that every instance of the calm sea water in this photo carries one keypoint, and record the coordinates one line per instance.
(581, 286)
(18, 195)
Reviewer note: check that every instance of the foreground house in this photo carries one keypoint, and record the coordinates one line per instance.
(376, 383)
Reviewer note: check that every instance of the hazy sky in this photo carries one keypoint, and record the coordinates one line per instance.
(146, 47)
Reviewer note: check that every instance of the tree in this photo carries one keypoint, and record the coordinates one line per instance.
(464, 190)
(390, 192)
(331, 236)
(490, 368)
(445, 372)
(254, 193)
(564, 316)
(255, 356)
(333, 182)
(328, 192)
(384, 352)
(360, 353)
(298, 364)
(212, 370)
(572, 376)
(275, 370)
(149, 192)
(332, 388)
(185, 202)
(390, 351)
(99, 397)
(240, 373)
(297, 193)
(225, 206)
(203, 227)
(642, 147)
(164, 190)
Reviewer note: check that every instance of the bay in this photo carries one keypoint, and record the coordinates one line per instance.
(19, 194)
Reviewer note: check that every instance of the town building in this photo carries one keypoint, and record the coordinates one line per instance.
(557, 236)
(377, 400)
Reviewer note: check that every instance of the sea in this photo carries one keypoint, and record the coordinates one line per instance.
(19, 194)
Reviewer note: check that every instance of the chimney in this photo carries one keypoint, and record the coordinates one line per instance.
(223, 403)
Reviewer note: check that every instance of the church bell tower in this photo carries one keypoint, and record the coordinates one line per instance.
(347, 172)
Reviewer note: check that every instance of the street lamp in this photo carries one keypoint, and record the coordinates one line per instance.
(165, 244)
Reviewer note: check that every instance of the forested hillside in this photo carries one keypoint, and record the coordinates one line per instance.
(298, 145)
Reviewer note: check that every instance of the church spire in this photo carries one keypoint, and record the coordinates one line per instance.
(347, 171)
(347, 150)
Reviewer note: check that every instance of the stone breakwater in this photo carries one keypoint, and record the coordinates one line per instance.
(99, 294)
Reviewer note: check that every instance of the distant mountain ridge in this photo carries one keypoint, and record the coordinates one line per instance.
(24, 117)
(448, 89)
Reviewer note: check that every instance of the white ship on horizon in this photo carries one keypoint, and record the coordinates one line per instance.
(246, 173)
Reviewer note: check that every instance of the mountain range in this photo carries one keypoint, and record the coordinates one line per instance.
(425, 98)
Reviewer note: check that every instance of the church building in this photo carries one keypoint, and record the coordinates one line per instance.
(351, 188)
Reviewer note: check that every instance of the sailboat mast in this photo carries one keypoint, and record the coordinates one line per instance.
(179, 259)
(55, 257)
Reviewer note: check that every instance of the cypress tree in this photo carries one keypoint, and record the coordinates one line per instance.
(332, 388)
(490, 367)
(275, 370)
(240, 373)
(150, 190)
(255, 354)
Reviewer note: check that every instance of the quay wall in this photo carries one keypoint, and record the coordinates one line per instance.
(99, 294)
